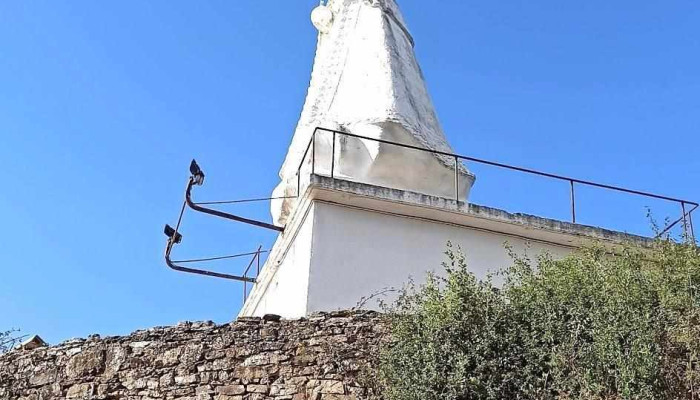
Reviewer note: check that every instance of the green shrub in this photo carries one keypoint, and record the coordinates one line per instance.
(590, 326)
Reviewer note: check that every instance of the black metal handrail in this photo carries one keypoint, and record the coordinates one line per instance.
(686, 215)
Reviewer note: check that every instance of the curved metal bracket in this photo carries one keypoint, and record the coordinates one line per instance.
(191, 204)
(174, 237)
(172, 265)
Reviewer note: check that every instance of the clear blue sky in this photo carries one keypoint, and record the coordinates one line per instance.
(103, 104)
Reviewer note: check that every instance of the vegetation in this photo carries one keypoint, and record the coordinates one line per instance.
(591, 326)
(8, 340)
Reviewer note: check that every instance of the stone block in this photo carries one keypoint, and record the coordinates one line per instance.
(226, 397)
(338, 397)
(231, 390)
(257, 389)
(87, 362)
(332, 387)
(80, 391)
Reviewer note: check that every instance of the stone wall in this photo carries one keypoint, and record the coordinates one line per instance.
(321, 358)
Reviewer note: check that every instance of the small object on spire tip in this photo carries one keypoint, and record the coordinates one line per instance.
(322, 18)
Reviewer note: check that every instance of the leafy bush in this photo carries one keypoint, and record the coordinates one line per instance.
(590, 326)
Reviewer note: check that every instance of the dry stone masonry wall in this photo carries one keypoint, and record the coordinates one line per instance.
(321, 358)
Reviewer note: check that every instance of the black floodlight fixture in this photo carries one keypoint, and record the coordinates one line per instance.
(172, 234)
(197, 174)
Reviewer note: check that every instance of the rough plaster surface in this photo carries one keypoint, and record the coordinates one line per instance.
(380, 252)
(319, 358)
(366, 81)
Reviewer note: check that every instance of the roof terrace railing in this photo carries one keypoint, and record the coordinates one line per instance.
(687, 206)
(251, 273)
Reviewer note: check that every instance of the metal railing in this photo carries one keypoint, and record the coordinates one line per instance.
(256, 261)
(197, 178)
(686, 213)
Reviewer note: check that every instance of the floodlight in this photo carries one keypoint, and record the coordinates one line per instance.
(197, 174)
(174, 236)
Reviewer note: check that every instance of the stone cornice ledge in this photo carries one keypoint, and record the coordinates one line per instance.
(417, 205)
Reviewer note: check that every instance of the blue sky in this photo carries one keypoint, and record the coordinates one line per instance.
(103, 104)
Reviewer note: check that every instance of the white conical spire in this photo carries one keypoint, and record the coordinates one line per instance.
(366, 81)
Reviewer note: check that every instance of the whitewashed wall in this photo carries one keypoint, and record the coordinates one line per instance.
(358, 252)
(284, 281)
(342, 254)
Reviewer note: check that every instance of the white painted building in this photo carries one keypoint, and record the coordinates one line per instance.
(347, 240)
(370, 214)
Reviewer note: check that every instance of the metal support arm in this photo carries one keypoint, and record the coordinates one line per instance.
(174, 236)
(180, 268)
(191, 204)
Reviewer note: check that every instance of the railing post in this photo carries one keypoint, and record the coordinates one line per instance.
(333, 157)
(685, 220)
(245, 289)
(301, 164)
(692, 230)
(573, 202)
(456, 179)
(313, 153)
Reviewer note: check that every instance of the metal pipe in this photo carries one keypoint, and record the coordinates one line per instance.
(511, 167)
(306, 151)
(182, 210)
(256, 256)
(676, 222)
(668, 228)
(302, 163)
(176, 267)
(171, 242)
(685, 220)
(217, 213)
(313, 153)
(216, 258)
(333, 157)
(241, 201)
(573, 203)
(456, 179)
(175, 237)
(692, 230)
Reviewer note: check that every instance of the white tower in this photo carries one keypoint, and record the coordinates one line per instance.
(366, 81)
(367, 214)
